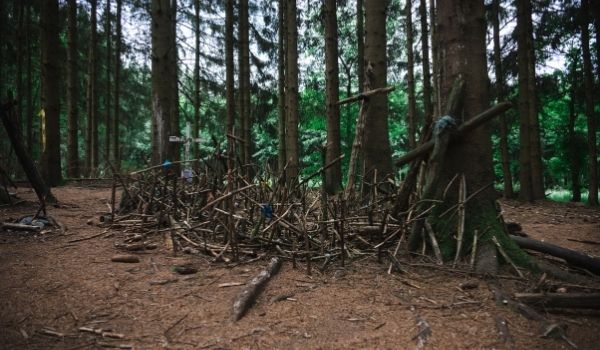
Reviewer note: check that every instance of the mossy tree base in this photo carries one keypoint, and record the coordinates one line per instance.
(480, 216)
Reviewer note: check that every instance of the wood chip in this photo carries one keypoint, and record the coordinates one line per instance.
(125, 259)
(231, 284)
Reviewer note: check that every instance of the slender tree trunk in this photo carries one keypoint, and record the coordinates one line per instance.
(116, 151)
(292, 146)
(281, 64)
(19, 77)
(427, 104)
(435, 58)
(92, 96)
(333, 175)
(50, 160)
(108, 92)
(164, 81)
(589, 105)
(29, 55)
(360, 39)
(525, 171)
(500, 96)
(377, 151)
(72, 94)
(196, 130)
(244, 81)
(537, 171)
(573, 149)
(412, 103)
(229, 83)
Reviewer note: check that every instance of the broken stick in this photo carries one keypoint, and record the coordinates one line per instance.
(244, 300)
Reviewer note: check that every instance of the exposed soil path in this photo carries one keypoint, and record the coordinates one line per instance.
(50, 288)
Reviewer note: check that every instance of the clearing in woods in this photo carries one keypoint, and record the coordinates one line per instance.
(60, 292)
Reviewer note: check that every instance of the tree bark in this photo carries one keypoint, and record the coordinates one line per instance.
(333, 175)
(531, 177)
(20, 8)
(91, 159)
(196, 131)
(116, 150)
(291, 130)
(229, 83)
(72, 93)
(377, 151)
(500, 96)
(164, 82)
(108, 92)
(281, 64)
(427, 104)
(574, 158)
(589, 105)
(29, 55)
(50, 160)
(410, 80)
(244, 88)
(360, 40)
(437, 107)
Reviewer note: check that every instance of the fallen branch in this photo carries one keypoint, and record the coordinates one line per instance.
(563, 300)
(571, 256)
(244, 300)
(365, 95)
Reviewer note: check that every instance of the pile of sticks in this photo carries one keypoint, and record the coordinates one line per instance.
(231, 218)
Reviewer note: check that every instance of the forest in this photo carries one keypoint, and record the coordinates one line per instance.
(104, 64)
(452, 139)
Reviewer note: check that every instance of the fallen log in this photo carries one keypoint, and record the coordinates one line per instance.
(244, 300)
(19, 227)
(563, 300)
(572, 257)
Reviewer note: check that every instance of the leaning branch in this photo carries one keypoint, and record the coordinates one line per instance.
(465, 128)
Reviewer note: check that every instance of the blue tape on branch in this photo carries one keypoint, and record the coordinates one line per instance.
(266, 210)
(167, 164)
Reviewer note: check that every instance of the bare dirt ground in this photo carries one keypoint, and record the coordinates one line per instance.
(51, 287)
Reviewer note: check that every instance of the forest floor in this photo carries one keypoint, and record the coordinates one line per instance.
(52, 286)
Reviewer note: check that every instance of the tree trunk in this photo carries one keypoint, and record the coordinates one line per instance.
(501, 96)
(281, 64)
(164, 82)
(526, 191)
(410, 81)
(427, 104)
(91, 161)
(244, 88)
(229, 83)
(116, 151)
(72, 93)
(360, 40)
(575, 166)
(50, 160)
(531, 177)
(291, 130)
(437, 107)
(333, 174)
(20, 40)
(463, 46)
(589, 105)
(107, 93)
(196, 131)
(377, 151)
(29, 55)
